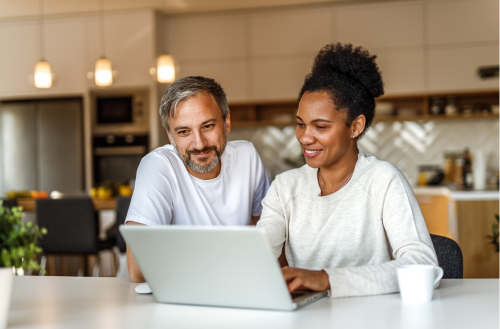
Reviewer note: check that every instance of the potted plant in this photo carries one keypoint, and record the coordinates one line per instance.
(18, 250)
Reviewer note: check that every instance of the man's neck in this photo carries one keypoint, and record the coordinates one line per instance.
(206, 176)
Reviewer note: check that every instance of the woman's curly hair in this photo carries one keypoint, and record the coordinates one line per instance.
(350, 76)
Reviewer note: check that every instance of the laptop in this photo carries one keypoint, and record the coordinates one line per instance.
(228, 266)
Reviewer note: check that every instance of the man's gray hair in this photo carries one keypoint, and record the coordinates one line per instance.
(187, 87)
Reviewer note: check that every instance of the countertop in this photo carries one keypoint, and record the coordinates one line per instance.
(75, 302)
(457, 195)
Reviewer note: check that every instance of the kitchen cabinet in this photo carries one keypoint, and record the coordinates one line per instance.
(41, 143)
(466, 217)
(475, 219)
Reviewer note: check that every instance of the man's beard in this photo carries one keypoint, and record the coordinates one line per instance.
(205, 166)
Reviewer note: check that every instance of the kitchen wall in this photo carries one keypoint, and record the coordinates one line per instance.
(405, 144)
(422, 46)
(425, 45)
(72, 44)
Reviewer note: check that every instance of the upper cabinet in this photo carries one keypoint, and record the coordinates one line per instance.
(206, 37)
(462, 21)
(286, 32)
(373, 26)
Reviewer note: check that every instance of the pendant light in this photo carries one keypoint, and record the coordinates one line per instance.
(165, 69)
(43, 77)
(103, 73)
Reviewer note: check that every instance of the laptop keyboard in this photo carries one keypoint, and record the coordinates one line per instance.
(296, 294)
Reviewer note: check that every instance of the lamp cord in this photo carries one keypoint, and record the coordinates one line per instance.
(101, 27)
(42, 32)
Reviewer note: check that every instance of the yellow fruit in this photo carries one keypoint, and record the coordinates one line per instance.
(93, 192)
(125, 190)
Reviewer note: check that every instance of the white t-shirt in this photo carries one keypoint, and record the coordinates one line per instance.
(166, 193)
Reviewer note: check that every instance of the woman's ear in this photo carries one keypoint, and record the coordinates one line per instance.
(358, 125)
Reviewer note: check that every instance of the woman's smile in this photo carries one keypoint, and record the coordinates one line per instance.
(311, 153)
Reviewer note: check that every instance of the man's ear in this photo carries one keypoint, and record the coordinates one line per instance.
(228, 123)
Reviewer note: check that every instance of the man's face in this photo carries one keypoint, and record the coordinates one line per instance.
(199, 133)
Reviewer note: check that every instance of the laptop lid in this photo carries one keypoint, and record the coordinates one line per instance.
(230, 266)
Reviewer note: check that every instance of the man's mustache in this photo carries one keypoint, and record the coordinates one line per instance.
(206, 149)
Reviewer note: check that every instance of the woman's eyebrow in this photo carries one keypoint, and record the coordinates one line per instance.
(315, 120)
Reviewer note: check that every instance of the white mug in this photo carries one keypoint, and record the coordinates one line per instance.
(416, 282)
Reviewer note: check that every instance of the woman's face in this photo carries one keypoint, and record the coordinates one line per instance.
(321, 130)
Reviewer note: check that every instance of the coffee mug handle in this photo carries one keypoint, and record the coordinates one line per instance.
(440, 275)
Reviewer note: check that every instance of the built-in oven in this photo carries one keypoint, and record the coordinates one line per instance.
(116, 158)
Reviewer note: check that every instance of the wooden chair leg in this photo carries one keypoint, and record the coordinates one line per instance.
(64, 267)
(52, 265)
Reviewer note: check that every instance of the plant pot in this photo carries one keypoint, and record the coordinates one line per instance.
(6, 277)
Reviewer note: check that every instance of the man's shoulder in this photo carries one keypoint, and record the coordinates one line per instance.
(241, 147)
(161, 157)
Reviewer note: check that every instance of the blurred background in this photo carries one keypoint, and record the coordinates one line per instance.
(80, 84)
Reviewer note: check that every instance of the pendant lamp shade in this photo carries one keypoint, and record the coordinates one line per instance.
(165, 69)
(103, 72)
(43, 75)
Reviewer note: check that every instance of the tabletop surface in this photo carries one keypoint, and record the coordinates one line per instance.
(73, 302)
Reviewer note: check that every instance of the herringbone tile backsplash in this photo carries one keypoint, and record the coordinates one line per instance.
(405, 144)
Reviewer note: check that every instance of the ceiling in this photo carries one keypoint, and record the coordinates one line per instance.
(20, 8)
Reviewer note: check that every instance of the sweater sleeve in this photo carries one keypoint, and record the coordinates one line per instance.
(273, 220)
(408, 237)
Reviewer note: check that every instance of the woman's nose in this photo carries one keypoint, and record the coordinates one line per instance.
(306, 137)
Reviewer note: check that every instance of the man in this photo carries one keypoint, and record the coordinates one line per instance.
(200, 179)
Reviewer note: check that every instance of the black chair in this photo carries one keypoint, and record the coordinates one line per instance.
(122, 204)
(72, 229)
(449, 257)
(9, 203)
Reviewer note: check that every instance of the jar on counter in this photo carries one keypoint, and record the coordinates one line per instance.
(451, 107)
(437, 105)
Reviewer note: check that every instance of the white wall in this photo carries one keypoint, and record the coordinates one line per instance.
(264, 55)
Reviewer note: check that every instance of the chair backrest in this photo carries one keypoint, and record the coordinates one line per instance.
(72, 225)
(122, 208)
(9, 203)
(449, 256)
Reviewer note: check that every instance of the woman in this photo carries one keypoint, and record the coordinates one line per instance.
(346, 220)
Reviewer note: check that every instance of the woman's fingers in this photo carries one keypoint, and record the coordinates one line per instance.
(297, 278)
(295, 284)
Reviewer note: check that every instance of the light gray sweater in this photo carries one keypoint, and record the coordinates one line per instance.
(358, 235)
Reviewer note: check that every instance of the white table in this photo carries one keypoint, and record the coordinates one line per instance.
(71, 302)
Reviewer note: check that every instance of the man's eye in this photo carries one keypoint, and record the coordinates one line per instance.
(301, 125)
(182, 132)
(320, 127)
(209, 126)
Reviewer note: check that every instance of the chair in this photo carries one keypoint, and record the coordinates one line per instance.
(449, 257)
(9, 203)
(72, 229)
(123, 203)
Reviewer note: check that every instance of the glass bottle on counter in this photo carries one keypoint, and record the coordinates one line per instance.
(467, 170)
(458, 170)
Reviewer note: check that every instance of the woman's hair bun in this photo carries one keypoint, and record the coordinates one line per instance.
(356, 63)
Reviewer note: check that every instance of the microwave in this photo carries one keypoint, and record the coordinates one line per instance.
(120, 112)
